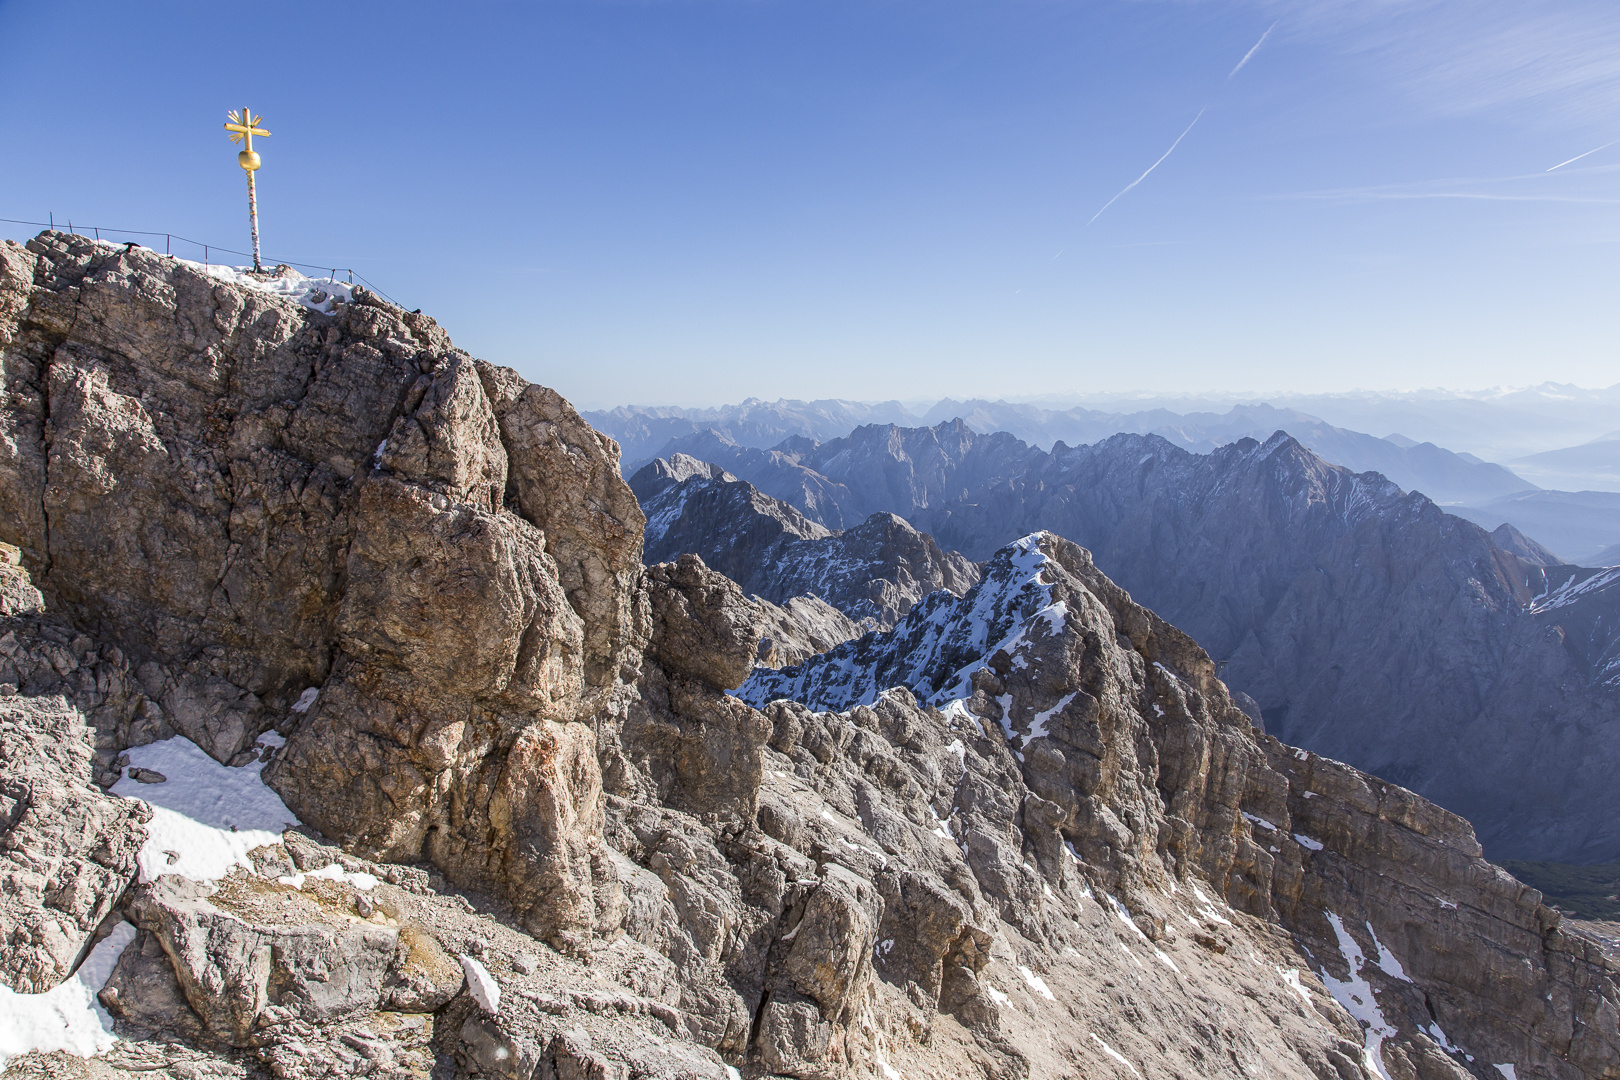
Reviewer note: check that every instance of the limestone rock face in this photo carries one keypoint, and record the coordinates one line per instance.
(702, 626)
(801, 627)
(564, 477)
(251, 499)
(557, 819)
(67, 849)
(1127, 761)
(17, 593)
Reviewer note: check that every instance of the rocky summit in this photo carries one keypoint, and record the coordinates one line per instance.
(344, 732)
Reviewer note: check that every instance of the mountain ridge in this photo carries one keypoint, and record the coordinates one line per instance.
(1301, 577)
(1445, 476)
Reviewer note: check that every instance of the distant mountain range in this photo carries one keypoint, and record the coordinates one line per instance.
(1444, 476)
(1496, 424)
(1367, 623)
(1579, 526)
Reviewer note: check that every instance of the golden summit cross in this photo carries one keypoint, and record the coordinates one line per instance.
(242, 128)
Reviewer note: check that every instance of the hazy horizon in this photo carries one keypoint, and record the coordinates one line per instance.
(1059, 399)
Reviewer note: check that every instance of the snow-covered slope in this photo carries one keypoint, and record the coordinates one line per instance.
(936, 648)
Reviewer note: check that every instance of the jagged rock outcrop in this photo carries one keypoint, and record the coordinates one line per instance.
(67, 849)
(1133, 764)
(253, 499)
(1368, 625)
(801, 627)
(551, 844)
(873, 572)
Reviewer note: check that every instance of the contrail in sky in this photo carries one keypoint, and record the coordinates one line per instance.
(1151, 167)
(1254, 50)
(1578, 157)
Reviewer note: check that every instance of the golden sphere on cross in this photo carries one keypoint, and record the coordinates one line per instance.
(242, 127)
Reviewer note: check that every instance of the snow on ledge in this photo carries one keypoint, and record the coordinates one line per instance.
(206, 817)
(333, 872)
(317, 294)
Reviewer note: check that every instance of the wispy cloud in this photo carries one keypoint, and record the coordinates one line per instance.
(1525, 188)
(1248, 55)
(1578, 157)
(1150, 168)
(1539, 63)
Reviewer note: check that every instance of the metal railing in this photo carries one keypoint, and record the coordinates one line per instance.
(95, 231)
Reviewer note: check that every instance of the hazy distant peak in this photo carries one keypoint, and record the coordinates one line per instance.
(1514, 542)
(685, 467)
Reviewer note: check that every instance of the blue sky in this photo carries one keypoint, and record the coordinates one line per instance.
(693, 201)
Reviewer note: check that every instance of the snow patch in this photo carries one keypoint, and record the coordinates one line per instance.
(1291, 978)
(1445, 1043)
(997, 996)
(1307, 843)
(1124, 916)
(1037, 726)
(1260, 821)
(307, 698)
(883, 860)
(1385, 959)
(1571, 591)
(1356, 995)
(1115, 1054)
(1507, 1071)
(317, 294)
(207, 816)
(1036, 983)
(1207, 908)
(66, 1017)
(358, 878)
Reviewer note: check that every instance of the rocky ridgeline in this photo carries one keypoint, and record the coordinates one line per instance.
(873, 573)
(1366, 623)
(539, 840)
